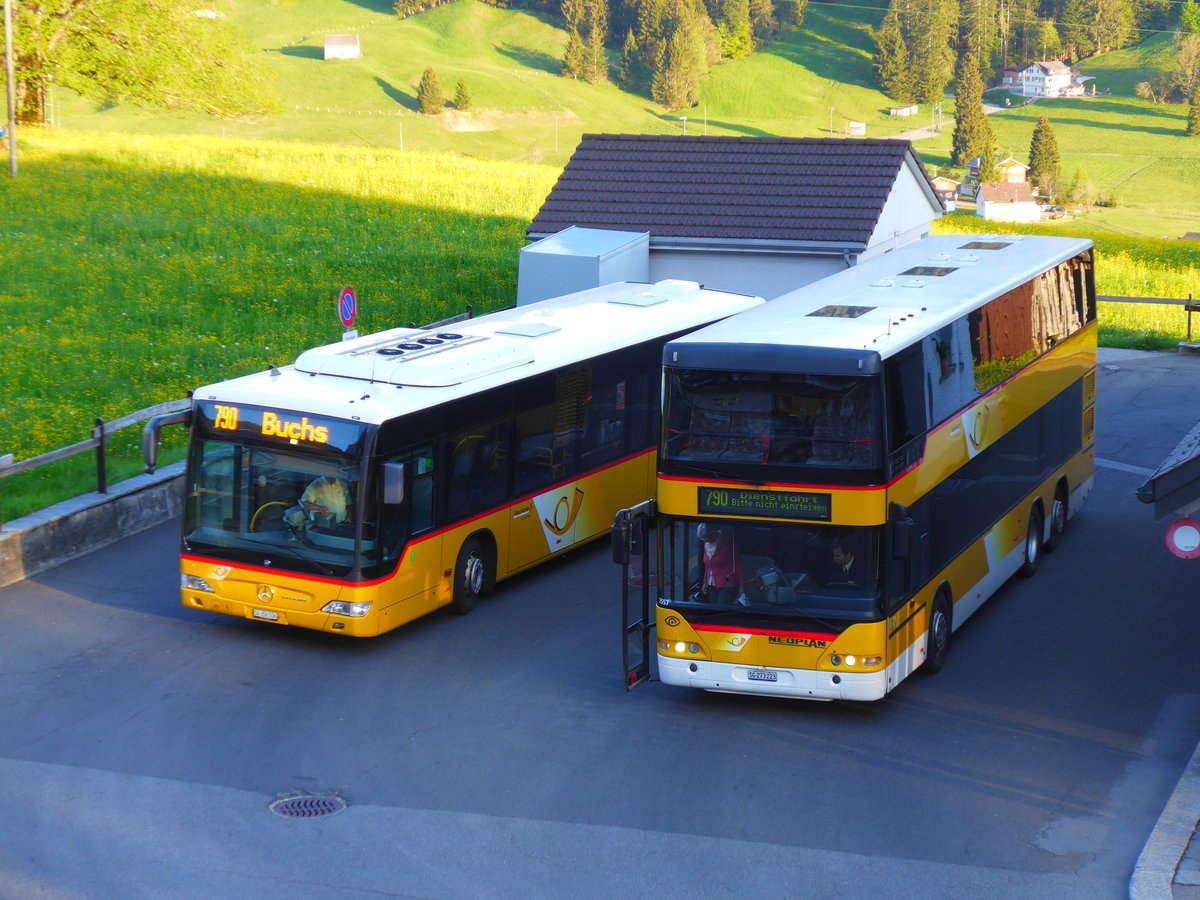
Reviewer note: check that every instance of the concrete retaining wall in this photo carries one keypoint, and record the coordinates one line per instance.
(37, 542)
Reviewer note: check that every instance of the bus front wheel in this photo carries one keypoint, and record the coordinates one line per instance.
(1033, 544)
(937, 642)
(470, 577)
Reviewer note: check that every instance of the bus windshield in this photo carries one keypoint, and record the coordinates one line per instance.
(294, 501)
(785, 420)
(771, 568)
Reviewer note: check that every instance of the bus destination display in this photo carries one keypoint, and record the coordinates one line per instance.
(774, 504)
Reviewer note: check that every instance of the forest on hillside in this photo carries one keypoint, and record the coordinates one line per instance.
(164, 54)
(666, 46)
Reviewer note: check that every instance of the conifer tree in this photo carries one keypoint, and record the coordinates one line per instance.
(891, 59)
(732, 19)
(676, 81)
(429, 94)
(762, 19)
(629, 68)
(791, 12)
(462, 97)
(972, 131)
(652, 32)
(1193, 118)
(934, 29)
(987, 165)
(978, 32)
(595, 62)
(574, 56)
(1043, 158)
(914, 59)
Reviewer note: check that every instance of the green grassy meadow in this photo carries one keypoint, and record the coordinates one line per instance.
(147, 253)
(143, 267)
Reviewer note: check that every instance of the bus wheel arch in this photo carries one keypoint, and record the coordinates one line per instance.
(1032, 548)
(474, 572)
(941, 626)
(1058, 516)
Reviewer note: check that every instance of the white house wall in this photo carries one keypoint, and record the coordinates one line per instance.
(759, 274)
(906, 216)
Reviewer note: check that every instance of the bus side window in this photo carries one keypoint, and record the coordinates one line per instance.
(478, 469)
(905, 386)
(539, 461)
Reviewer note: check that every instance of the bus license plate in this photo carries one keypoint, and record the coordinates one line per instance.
(762, 675)
(272, 616)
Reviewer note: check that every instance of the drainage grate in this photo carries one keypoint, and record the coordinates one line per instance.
(307, 806)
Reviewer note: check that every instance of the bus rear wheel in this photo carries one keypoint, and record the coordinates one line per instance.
(1033, 544)
(937, 642)
(470, 577)
(1058, 518)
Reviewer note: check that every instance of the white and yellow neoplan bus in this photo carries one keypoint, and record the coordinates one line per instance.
(849, 471)
(455, 456)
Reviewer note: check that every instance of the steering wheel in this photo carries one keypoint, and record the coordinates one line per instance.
(258, 512)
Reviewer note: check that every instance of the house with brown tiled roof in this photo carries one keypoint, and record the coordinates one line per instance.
(1004, 202)
(748, 214)
(947, 189)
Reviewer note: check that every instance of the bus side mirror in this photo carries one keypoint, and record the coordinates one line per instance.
(902, 529)
(393, 482)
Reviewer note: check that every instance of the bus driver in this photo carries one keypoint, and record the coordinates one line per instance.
(325, 499)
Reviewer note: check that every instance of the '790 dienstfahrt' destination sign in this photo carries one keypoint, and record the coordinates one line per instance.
(774, 504)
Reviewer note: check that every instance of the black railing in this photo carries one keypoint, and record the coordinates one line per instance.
(98, 442)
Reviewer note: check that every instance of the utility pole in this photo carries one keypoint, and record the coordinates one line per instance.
(10, 80)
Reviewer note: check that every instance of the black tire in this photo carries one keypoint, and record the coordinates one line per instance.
(937, 642)
(1058, 519)
(1033, 544)
(470, 577)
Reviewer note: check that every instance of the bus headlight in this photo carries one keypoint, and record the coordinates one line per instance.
(342, 608)
(196, 583)
(851, 660)
(679, 647)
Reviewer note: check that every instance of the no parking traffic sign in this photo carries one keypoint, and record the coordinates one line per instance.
(347, 306)
(1183, 538)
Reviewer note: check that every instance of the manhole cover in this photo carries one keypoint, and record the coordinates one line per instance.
(307, 806)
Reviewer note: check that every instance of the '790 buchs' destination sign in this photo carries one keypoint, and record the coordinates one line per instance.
(775, 504)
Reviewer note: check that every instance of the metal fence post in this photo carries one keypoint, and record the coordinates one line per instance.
(5, 461)
(101, 472)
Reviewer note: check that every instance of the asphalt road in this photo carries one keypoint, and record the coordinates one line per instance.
(497, 755)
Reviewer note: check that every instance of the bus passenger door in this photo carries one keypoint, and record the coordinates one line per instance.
(634, 549)
(543, 524)
(407, 530)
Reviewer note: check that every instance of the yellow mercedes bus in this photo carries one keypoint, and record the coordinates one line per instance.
(849, 471)
(383, 477)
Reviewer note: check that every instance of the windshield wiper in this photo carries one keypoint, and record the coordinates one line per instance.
(294, 551)
(704, 470)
